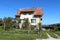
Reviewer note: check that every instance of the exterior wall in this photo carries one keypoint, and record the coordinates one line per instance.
(30, 17)
(33, 23)
(26, 16)
(38, 20)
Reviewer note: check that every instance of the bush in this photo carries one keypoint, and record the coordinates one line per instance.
(33, 32)
(32, 27)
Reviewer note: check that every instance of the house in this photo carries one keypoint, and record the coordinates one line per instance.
(47, 27)
(33, 14)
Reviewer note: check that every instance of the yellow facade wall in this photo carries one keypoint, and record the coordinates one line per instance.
(37, 20)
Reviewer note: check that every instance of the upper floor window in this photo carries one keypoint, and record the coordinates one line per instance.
(33, 20)
(29, 12)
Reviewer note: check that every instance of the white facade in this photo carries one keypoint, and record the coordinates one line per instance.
(27, 16)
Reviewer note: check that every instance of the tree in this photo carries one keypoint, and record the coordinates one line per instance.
(17, 22)
(55, 26)
(39, 29)
(26, 25)
(7, 23)
(1, 22)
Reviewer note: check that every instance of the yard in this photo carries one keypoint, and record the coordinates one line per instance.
(17, 34)
(57, 32)
(52, 34)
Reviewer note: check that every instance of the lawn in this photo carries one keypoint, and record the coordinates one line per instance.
(43, 35)
(52, 34)
(57, 32)
(17, 34)
(7, 36)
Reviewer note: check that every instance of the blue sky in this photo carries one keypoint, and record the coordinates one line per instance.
(51, 9)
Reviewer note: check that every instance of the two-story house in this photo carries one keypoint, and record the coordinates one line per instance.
(33, 14)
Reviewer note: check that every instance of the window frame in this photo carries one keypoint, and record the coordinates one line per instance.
(33, 20)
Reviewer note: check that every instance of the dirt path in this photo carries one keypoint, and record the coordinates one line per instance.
(49, 35)
(57, 35)
(50, 38)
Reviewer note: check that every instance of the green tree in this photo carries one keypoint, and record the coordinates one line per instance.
(56, 27)
(26, 25)
(17, 22)
(39, 29)
(1, 22)
(7, 23)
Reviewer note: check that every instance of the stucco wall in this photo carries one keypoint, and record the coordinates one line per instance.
(30, 17)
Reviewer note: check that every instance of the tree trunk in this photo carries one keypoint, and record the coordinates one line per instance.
(4, 27)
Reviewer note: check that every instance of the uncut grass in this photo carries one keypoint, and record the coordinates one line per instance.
(52, 34)
(17, 34)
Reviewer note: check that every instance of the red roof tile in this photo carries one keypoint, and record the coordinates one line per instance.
(37, 11)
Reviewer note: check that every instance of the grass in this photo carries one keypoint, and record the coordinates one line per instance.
(15, 37)
(17, 34)
(52, 34)
(57, 32)
(6, 35)
(43, 35)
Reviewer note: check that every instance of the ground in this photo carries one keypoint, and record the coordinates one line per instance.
(17, 34)
(50, 37)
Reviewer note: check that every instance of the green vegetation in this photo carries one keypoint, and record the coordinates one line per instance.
(7, 23)
(17, 34)
(7, 32)
(43, 35)
(52, 34)
(8, 36)
(55, 27)
(39, 29)
(57, 32)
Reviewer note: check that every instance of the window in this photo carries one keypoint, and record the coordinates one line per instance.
(22, 20)
(33, 20)
(29, 12)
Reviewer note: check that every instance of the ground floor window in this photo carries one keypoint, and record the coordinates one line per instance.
(22, 20)
(33, 20)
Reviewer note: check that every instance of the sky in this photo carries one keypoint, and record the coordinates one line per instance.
(51, 9)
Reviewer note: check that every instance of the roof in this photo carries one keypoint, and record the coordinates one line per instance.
(37, 11)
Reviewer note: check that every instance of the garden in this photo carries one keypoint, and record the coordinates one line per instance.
(9, 31)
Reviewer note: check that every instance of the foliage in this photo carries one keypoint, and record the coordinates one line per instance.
(1, 23)
(43, 35)
(32, 27)
(16, 25)
(39, 29)
(57, 32)
(17, 20)
(26, 24)
(18, 34)
(56, 26)
(39, 26)
(33, 32)
(7, 23)
(52, 34)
